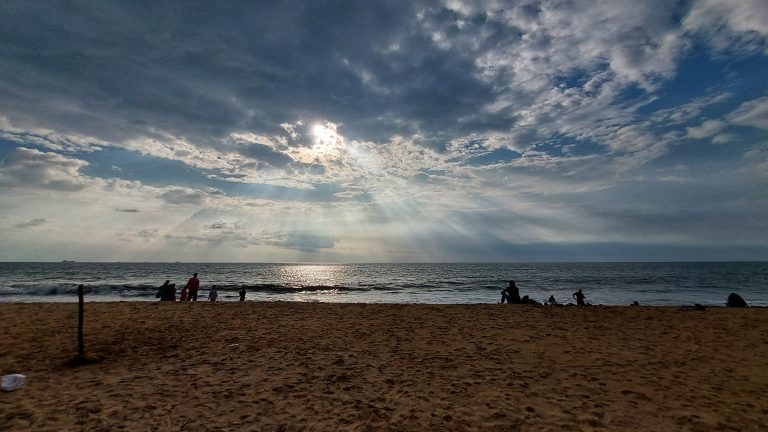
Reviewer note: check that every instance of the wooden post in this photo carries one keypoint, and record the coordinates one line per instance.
(80, 345)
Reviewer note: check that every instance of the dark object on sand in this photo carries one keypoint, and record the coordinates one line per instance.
(735, 300)
(80, 312)
(635, 303)
(695, 307)
(81, 358)
(528, 300)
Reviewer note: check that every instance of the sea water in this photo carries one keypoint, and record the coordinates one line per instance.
(707, 283)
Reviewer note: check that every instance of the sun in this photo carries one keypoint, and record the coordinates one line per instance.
(322, 132)
(327, 139)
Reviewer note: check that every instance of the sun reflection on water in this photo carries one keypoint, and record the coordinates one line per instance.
(312, 275)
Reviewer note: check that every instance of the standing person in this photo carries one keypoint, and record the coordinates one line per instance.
(162, 292)
(183, 295)
(511, 294)
(242, 294)
(579, 296)
(193, 284)
(172, 292)
(213, 294)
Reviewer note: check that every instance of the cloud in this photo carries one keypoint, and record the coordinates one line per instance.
(379, 117)
(707, 129)
(147, 233)
(31, 223)
(400, 67)
(265, 153)
(70, 142)
(30, 168)
(224, 225)
(182, 196)
(757, 156)
(431, 73)
(305, 242)
(727, 23)
(752, 113)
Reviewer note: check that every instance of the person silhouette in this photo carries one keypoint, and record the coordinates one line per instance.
(163, 291)
(579, 296)
(242, 294)
(510, 294)
(193, 284)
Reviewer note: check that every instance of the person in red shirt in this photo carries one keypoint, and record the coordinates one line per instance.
(192, 285)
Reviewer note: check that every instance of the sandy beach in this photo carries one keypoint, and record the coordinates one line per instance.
(322, 367)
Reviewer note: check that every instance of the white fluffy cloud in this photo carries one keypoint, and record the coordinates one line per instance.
(752, 113)
(30, 168)
(730, 22)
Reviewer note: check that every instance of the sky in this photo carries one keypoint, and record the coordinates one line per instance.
(384, 131)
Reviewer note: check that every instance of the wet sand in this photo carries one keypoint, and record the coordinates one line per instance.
(363, 367)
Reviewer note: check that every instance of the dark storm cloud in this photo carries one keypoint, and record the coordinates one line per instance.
(119, 70)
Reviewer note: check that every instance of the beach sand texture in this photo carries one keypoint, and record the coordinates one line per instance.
(367, 367)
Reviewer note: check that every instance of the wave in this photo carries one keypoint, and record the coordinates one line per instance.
(146, 290)
(62, 289)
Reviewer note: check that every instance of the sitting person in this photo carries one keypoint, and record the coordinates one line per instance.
(510, 294)
(552, 300)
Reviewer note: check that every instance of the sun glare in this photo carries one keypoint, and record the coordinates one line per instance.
(321, 132)
(327, 140)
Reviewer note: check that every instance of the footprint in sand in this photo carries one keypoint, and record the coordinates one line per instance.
(639, 395)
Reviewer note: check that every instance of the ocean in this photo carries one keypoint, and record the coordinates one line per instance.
(707, 283)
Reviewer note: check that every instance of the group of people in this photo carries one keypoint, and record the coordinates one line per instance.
(167, 291)
(511, 295)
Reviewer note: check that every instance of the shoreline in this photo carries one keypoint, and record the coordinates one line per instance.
(233, 299)
(364, 366)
